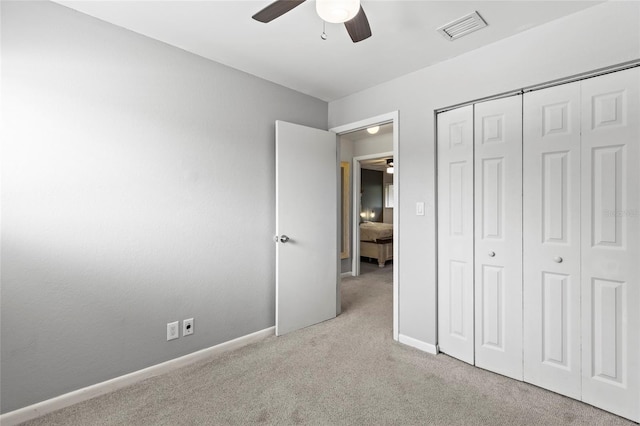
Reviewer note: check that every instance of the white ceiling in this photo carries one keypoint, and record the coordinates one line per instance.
(289, 51)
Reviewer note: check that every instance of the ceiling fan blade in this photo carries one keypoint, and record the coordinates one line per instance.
(276, 9)
(358, 27)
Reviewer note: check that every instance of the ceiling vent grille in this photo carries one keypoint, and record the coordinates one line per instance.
(462, 26)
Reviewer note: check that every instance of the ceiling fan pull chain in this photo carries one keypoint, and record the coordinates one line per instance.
(324, 34)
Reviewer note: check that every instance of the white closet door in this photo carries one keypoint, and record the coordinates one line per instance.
(611, 243)
(455, 233)
(498, 230)
(551, 268)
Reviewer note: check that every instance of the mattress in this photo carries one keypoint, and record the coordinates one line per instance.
(373, 231)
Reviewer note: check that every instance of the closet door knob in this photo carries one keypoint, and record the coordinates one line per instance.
(492, 253)
(557, 259)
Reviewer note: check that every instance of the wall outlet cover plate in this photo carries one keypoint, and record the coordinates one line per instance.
(173, 330)
(187, 327)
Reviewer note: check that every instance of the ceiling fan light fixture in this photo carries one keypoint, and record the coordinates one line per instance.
(337, 11)
(390, 166)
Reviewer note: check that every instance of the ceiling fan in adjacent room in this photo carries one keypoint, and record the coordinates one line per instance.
(349, 12)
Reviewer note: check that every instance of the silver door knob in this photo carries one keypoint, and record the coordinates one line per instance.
(284, 238)
(492, 253)
(557, 259)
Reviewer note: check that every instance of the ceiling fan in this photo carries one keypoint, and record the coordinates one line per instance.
(349, 12)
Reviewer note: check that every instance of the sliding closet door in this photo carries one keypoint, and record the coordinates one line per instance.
(498, 231)
(455, 233)
(551, 268)
(611, 243)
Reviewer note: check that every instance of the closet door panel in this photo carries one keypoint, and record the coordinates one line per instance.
(498, 236)
(455, 233)
(551, 227)
(611, 242)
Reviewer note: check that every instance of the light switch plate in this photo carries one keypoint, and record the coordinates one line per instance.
(420, 208)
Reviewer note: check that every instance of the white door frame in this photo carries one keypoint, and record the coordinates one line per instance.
(391, 117)
(355, 188)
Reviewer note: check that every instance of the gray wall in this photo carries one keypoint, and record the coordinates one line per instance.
(597, 37)
(137, 189)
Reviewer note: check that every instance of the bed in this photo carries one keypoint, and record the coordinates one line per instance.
(376, 241)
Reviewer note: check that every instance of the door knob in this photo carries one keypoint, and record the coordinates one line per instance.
(284, 238)
(557, 259)
(492, 253)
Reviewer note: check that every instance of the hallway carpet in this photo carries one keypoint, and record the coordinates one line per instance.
(347, 371)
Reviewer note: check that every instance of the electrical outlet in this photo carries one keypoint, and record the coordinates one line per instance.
(187, 327)
(173, 330)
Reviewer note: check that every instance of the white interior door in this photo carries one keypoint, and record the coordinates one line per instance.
(551, 268)
(455, 233)
(498, 236)
(307, 188)
(611, 242)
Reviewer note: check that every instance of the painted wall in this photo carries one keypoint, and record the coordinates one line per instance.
(597, 37)
(373, 145)
(346, 154)
(138, 189)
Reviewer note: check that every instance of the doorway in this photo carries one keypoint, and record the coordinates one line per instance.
(390, 119)
(372, 214)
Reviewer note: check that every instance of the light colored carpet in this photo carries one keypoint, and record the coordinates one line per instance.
(344, 371)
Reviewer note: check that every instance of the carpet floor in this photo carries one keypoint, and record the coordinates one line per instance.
(346, 371)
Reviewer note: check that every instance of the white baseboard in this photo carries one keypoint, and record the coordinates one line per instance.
(41, 408)
(418, 344)
(346, 274)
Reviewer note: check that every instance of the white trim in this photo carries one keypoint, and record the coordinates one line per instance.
(346, 274)
(367, 122)
(418, 344)
(356, 171)
(45, 407)
(396, 226)
(391, 117)
(357, 181)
